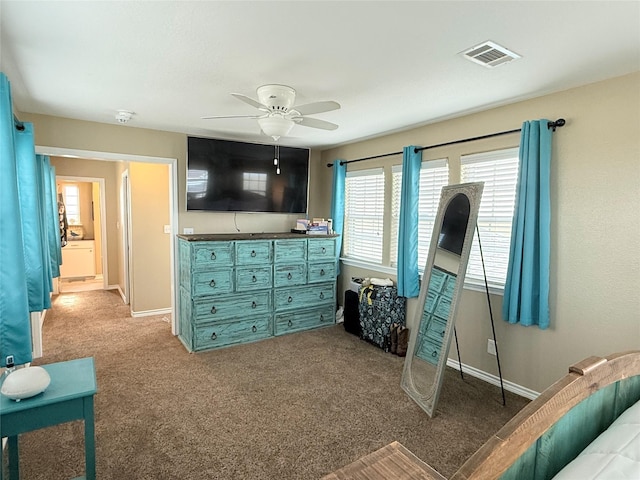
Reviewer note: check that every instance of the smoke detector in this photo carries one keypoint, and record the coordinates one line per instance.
(123, 116)
(489, 54)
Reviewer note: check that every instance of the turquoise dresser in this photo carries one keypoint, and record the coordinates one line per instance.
(436, 312)
(247, 287)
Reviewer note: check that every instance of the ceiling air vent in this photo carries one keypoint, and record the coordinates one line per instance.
(490, 54)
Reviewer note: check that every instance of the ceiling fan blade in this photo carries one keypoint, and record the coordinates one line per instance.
(250, 101)
(316, 107)
(229, 116)
(315, 123)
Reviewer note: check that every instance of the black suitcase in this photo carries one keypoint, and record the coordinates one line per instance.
(351, 314)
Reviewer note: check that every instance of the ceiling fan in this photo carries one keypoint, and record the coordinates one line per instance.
(279, 115)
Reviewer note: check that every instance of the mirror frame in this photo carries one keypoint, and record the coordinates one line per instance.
(428, 401)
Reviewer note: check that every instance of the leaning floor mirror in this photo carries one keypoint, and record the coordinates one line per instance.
(440, 291)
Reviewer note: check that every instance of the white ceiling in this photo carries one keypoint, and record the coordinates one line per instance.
(390, 64)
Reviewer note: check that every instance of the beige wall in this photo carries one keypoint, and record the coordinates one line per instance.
(75, 167)
(595, 197)
(595, 263)
(150, 246)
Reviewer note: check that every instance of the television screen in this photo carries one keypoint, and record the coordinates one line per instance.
(228, 176)
(454, 224)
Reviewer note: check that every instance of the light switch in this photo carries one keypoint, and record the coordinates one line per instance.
(167, 229)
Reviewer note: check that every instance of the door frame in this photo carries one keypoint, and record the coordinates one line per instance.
(173, 201)
(125, 235)
(103, 214)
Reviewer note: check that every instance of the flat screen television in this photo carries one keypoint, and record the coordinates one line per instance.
(454, 224)
(229, 176)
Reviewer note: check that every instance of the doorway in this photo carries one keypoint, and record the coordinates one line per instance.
(85, 257)
(171, 228)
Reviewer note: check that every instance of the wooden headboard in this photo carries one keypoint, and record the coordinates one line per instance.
(554, 428)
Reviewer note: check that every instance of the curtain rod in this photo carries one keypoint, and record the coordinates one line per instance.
(18, 124)
(552, 125)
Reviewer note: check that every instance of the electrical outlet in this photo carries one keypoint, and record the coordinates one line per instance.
(491, 347)
(187, 231)
(167, 229)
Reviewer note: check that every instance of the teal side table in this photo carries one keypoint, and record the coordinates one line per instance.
(68, 397)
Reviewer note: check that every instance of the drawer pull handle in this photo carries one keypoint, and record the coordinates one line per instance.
(214, 336)
(212, 283)
(321, 318)
(322, 271)
(213, 255)
(213, 309)
(289, 299)
(442, 334)
(290, 323)
(324, 250)
(254, 279)
(253, 253)
(254, 304)
(289, 276)
(321, 295)
(254, 329)
(434, 354)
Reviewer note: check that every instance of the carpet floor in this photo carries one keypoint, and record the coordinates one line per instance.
(292, 407)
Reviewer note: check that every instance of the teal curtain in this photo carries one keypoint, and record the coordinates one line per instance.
(32, 204)
(526, 291)
(51, 207)
(337, 203)
(15, 325)
(408, 276)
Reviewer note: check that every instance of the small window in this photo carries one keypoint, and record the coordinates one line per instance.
(499, 172)
(71, 195)
(255, 183)
(364, 215)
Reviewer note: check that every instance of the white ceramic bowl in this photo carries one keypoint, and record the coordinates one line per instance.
(25, 382)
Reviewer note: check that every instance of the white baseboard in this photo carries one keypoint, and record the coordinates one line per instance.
(493, 380)
(149, 313)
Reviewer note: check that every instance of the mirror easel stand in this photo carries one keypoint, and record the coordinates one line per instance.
(455, 336)
(493, 328)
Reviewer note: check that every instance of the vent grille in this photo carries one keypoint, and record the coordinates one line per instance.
(490, 54)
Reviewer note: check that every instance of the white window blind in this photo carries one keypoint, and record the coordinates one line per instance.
(72, 204)
(396, 190)
(364, 215)
(434, 175)
(499, 172)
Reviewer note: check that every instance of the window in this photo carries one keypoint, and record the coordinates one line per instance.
(499, 172)
(364, 215)
(255, 183)
(434, 175)
(72, 204)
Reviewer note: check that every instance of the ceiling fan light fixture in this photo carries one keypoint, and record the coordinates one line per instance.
(276, 126)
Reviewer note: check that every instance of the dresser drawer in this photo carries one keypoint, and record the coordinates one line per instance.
(321, 249)
(253, 278)
(434, 329)
(213, 309)
(228, 333)
(304, 297)
(212, 254)
(290, 251)
(303, 320)
(321, 272)
(290, 275)
(253, 252)
(213, 282)
(427, 350)
(443, 308)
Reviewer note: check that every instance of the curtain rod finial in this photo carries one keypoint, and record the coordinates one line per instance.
(558, 123)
